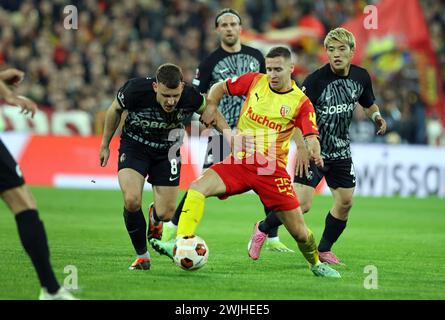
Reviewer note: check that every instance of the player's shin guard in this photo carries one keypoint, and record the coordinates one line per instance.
(309, 249)
(136, 227)
(191, 214)
(33, 238)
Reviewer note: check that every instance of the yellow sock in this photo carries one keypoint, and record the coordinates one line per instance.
(309, 249)
(191, 213)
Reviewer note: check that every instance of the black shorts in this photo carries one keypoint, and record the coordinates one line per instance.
(10, 173)
(161, 170)
(338, 174)
(217, 150)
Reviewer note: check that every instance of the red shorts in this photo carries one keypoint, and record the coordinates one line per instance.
(274, 187)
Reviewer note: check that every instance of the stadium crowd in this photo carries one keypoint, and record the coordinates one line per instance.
(83, 68)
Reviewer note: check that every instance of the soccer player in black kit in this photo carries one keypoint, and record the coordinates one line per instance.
(231, 59)
(335, 90)
(151, 137)
(21, 202)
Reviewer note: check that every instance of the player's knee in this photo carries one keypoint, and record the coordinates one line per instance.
(346, 204)
(198, 186)
(19, 199)
(132, 202)
(305, 206)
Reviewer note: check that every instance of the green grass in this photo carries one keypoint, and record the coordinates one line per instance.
(403, 238)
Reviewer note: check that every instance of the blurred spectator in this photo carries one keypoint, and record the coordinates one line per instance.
(436, 132)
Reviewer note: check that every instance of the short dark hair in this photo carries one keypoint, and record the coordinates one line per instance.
(279, 52)
(169, 75)
(227, 11)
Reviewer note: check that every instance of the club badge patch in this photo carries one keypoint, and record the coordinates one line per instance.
(284, 111)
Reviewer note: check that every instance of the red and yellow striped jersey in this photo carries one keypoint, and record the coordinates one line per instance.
(271, 116)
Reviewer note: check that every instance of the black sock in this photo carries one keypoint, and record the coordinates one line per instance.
(33, 238)
(273, 231)
(332, 230)
(175, 218)
(270, 223)
(136, 227)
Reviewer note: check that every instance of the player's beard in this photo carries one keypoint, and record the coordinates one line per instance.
(230, 42)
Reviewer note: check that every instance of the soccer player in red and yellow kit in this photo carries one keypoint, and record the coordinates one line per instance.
(273, 109)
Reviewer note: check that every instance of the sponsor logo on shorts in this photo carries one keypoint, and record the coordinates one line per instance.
(310, 175)
(123, 157)
(173, 178)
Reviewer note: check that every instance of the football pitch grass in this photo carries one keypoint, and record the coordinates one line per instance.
(394, 244)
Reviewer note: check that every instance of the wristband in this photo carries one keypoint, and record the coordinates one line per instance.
(374, 115)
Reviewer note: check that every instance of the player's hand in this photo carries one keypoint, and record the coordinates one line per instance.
(381, 125)
(302, 162)
(12, 76)
(208, 116)
(318, 160)
(28, 106)
(104, 155)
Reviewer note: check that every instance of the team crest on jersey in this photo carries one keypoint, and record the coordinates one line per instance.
(284, 111)
(180, 116)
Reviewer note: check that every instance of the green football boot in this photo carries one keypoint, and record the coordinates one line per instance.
(277, 246)
(163, 247)
(324, 270)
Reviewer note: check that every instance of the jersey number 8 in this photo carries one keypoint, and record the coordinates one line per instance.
(173, 166)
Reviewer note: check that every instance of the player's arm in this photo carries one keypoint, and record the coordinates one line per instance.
(209, 115)
(302, 157)
(313, 145)
(28, 106)
(306, 121)
(373, 113)
(214, 96)
(112, 120)
(12, 76)
(366, 100)
(219, 122)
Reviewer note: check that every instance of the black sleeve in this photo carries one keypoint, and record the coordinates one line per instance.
(203, 77)
(194, 98)
(124, 96)
(367, 98)
(262, 63)
(309, 88)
